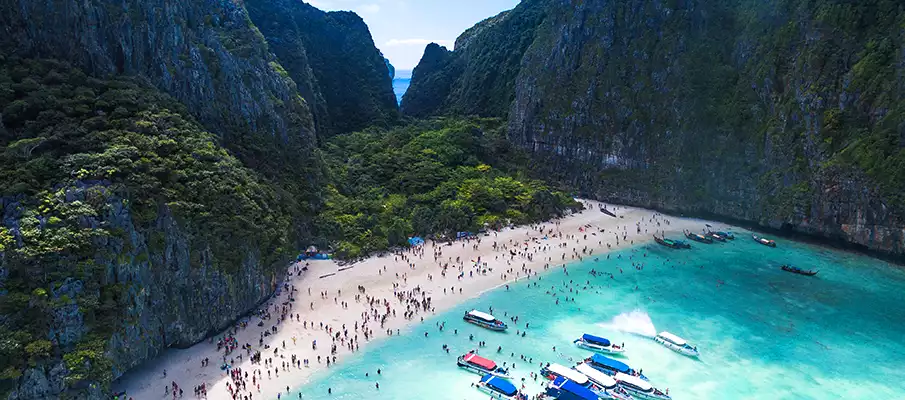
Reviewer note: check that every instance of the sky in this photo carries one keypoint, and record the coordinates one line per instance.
(402, 28)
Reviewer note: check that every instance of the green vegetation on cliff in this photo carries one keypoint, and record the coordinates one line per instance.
(430, 177)
(78, 155)
(784, 113)
(332, 58)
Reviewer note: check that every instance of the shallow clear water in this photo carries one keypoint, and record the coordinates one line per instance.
(763, 333)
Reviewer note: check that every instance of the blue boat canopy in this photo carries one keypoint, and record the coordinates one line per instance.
(595, 339)
(500, 385)
(611, 364)
(575, 389)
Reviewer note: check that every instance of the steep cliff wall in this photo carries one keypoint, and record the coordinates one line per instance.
(478, 77)
(332, 57)
(205, 53)
(124, 229)
(783, 113)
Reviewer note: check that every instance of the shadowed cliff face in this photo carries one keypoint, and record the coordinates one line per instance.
(478, 77)
(205, 53)
(785, 115)
(333, 59)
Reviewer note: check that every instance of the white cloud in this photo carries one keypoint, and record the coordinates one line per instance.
(416, 42)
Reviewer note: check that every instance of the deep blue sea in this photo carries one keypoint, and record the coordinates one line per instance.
(763, 333)
(401, 83)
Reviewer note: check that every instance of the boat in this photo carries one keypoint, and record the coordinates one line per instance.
(697, 237)
(563, 389)
(479, 365)
(552, 371)
(598, 344)
(724, 235)
(676, 344)
(640, 388)
(763, 241)
(673, 244)
(715, 236)
(607, 212)
(610, 366)
(799, 271)
(499, 388)
(607, 386)
(484, 320)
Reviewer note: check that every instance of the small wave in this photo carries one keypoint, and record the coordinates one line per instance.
(636, 322)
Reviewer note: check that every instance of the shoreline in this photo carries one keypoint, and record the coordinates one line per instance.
(506, 256)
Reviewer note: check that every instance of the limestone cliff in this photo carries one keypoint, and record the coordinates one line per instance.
(333, 59)
(125, 228)
(477, 78)
(780, 113)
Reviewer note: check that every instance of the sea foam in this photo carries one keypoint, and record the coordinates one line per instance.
(636, 322)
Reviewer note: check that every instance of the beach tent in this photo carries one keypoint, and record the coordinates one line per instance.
(415, 241)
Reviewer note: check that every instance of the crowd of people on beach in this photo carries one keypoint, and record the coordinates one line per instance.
(251, 367)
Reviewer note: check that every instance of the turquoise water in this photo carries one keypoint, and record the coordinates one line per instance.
(763, 333)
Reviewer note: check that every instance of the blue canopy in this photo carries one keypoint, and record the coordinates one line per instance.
(595, 339)
(610, 364)
(500, 385)
(415, 241)
(574, 390)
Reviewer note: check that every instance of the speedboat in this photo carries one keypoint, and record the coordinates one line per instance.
(764, 241)
(676, 344)
(598, 344)
(499, 388)
(796, 270)
(562, 388)
(610, 366)
(484, 320)
(640, 388)
(552, 371)
(479, 365)
(604, 385)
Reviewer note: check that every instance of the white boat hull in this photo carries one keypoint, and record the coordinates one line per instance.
(598, 348)
(639, 395)
(676, 348)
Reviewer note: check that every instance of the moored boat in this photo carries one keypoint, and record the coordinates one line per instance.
(552, 371)
(598, 344)
(479, 365)
(484, 320)
(799, 271)
(697, 237)
(610, 366)
(673, 244)
(563, 389)
(676, 344)
(499, 388)
(764, 241)
(725, 235)
(641, 389)
(607, 386)
(715, 236)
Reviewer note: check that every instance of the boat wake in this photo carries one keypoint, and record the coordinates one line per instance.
(636, 322)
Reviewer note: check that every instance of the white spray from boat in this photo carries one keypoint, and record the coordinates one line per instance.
(636, 322)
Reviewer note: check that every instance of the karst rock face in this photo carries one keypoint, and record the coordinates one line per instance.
(231, 92)
(774, 113)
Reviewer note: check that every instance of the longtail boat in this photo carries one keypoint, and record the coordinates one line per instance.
(799, 271)
(763, 241)
(673, 244)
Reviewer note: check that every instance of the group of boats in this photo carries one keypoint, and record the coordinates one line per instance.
(708, 237)
(597, 377)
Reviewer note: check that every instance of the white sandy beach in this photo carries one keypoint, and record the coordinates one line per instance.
(590, 233)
